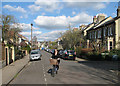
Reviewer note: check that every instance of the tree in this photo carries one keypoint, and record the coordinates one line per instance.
(71, 39)
(52, 45)
(7, 22)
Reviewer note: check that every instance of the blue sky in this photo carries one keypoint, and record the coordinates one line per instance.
(51, 18)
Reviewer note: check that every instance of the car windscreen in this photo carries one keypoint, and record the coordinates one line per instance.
(35, 52)
(71, 51)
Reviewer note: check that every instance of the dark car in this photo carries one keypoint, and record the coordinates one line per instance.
(61, 53)
(69, 54)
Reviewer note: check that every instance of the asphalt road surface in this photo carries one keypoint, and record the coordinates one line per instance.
(70, 72)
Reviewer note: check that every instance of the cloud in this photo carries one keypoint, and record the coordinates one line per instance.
(49, 5)
(73, 13)
(34, 8)
(99, 6)
(87, 0)
(84, 4)
(23, 26)
(43, 14)
(50, 36)
(114, 14)
(28, 34)
(57, 5)
(62, 22)
(17, 9)
(21, 17)
(103, 14)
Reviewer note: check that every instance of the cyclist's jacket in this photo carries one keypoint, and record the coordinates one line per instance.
(55, 56)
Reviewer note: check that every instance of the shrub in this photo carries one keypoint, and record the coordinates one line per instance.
(78, 51)
(108, 57)
(95, 56)
(86, 52)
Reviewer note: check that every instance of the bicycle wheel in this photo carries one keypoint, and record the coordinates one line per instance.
(53, 72)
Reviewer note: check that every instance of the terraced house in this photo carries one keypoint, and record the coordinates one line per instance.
(105, 34)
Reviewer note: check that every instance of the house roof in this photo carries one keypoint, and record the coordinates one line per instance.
(23, 37)
(101, 23)
(23, 43)
(88, 26)
(109, 22)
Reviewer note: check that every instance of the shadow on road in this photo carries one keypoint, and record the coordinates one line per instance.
(104, 65)
(106, 70)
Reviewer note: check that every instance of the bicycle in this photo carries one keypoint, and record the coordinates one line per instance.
(54, 71)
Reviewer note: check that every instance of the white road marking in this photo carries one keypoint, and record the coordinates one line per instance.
(44, 74)
(45, 79)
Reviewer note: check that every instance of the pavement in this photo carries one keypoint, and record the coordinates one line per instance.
(79, 59)
(10, 72)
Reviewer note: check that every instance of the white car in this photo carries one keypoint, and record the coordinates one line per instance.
(35, 55)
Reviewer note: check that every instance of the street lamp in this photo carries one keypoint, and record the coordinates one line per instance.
(31, 35)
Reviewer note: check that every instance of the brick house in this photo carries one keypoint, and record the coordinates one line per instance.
(8, 49)
(22, 42)
(105, 33)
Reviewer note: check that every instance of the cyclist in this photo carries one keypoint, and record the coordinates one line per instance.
(56, 56)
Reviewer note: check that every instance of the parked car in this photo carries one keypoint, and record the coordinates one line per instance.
(69, 54)
(35, 55)
(61, 53)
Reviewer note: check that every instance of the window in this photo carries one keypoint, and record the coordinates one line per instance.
(90, 35)
(108, 31)
(110, 45)
(95, 34)
(104, 31)
(34, 52)
(111, 31)
(99, 34)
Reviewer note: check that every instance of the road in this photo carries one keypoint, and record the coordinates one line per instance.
(70, 72)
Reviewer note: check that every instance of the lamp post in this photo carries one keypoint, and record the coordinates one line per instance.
(31, 35)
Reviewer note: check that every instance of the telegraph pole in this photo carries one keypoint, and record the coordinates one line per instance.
(31, 35)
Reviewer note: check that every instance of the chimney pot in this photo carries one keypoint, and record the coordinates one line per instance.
(94, 19)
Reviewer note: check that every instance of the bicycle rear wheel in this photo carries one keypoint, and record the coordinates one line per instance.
(53, 72)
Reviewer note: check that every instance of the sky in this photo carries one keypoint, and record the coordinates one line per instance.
(51, 18)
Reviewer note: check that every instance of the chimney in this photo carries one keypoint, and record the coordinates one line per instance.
(118, 10)
(94, 19)
(100, 17)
